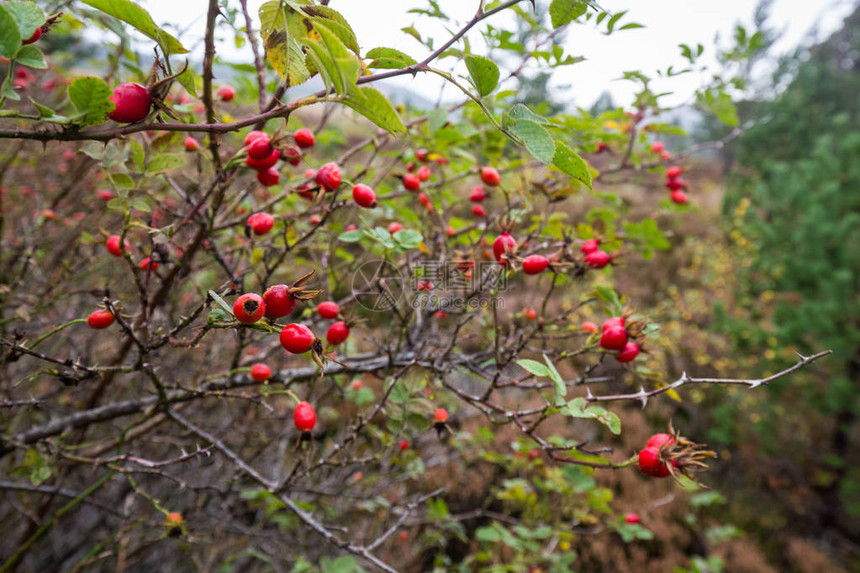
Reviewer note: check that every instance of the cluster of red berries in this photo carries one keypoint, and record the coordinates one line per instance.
(112, 244)
(676, 185)
(614, 336)
(650, 462)
(595, 257)
(338, 332)
(672, 454)
(263, 155)
(658, 147)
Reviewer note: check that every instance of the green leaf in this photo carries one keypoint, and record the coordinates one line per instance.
(557, 380)
(139, 19)
(335, 22)
(388, 58)
(90, 97)
(576, 408)
(520, 111)
(608, 296)
(287, 58)
(32, 57)
(44, 111)
(165, 161)
(563, 12)
(27, 15)
(370, 103)
(408, 238)
(571, 163)
(487, 534)
(10, 34)
(121, 180)
(282, 29)
(534, 367)
(535, 138)
(351, 236)
(7, 91)
(189, 80)
(484, 73)
(222, 303)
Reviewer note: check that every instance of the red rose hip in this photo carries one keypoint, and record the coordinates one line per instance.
(99, 319)
(131, 103)
(535, 264)
(304, 417)
(304, 138)
(261, 372)
(249, 308)
(328, 177)
(337, 333)
(490, 176)
(278, 301)
(297, 338)
(328, 309)
(364, 196)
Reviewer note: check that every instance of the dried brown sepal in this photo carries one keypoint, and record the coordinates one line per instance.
(318, 354)
(683, 457)
(298, 292)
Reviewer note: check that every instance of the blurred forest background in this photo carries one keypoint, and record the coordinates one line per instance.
(781, 275)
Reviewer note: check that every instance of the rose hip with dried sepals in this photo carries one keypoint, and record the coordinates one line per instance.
(278, 301)
(249, 308)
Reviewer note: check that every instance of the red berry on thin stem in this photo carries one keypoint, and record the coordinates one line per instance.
(112, 244)
(297, 338)
(261, 372)
(264, 163)
(364, 196)
(490, 176)
(535, 264)
(502, 245)
(328, 309)
(261, 223)
(650, 463)
(269, 177)
(590, 246)
(628, 353)
(304, 138)
(99, 319)
(225, 93)
(613, 338)
(337, 333)
(304, 417)
(411, 182)
(598, 259)
(328, 177)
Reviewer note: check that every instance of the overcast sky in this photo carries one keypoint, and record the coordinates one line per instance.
(667, 24)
